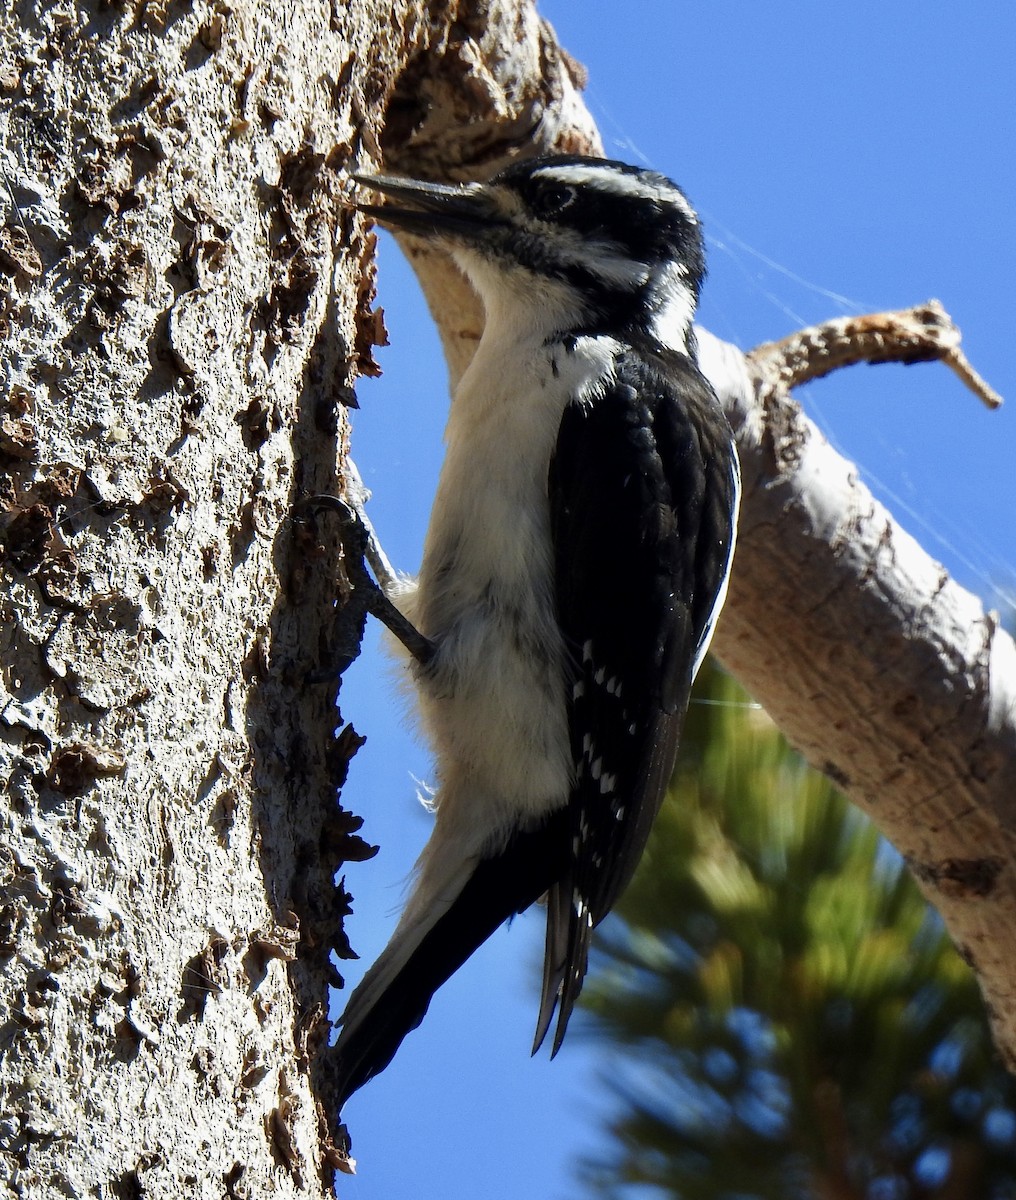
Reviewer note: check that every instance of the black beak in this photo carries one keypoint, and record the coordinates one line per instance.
(460, 211)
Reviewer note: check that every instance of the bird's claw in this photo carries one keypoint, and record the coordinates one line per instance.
(361, 548)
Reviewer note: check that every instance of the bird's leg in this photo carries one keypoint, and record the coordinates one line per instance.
(361, 548)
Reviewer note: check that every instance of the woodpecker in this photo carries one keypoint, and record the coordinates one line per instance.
(575, 563)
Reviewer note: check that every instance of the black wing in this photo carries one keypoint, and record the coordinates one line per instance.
(643, 496)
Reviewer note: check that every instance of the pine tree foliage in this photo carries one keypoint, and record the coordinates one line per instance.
(791, 1020)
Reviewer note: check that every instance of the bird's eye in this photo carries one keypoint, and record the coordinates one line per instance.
(554, 198)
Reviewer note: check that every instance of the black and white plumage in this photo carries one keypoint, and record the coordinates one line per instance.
(574, 567)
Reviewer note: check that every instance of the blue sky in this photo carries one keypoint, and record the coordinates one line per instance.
(843, 159)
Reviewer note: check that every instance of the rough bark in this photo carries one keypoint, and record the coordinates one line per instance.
(178, 342)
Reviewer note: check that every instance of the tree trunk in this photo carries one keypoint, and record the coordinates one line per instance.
(178, 344)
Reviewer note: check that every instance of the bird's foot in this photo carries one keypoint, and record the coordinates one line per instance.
(361, 548)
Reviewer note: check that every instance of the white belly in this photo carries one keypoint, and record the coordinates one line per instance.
(493, 701)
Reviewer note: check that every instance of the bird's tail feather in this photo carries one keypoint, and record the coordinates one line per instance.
(555, 957)
(565, 962)
(416, 922)
(441, 928)
(577, 963)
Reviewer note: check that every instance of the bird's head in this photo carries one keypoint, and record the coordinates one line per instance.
(565, 242)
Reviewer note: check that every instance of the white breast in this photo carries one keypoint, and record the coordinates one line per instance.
(494, 701)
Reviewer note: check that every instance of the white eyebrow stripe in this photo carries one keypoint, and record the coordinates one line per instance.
(607, 179)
